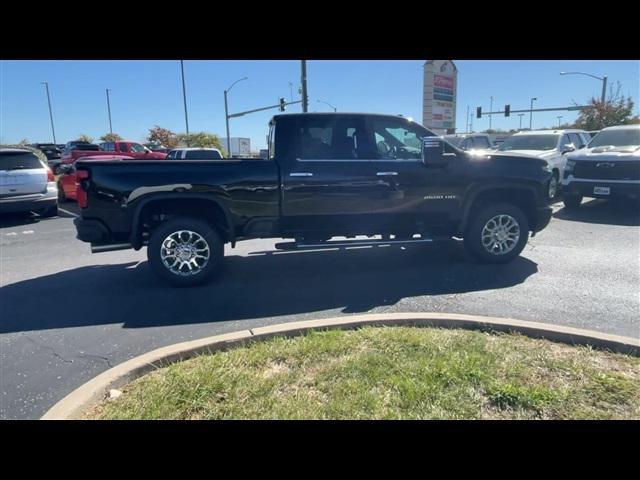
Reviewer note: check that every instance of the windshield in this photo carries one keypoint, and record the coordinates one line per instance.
(530, 142)
(616, 138)
(19, 161)
(203, 155)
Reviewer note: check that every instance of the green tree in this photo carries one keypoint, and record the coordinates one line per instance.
(202, 140)
(111, 137)
(24, 142)
(85, 138)
(163, 136)
(616, 110)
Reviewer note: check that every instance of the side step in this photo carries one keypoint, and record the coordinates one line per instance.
(110, 248)
(348, 243)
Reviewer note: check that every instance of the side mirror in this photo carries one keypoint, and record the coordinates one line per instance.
(569, 147)
(433, 151)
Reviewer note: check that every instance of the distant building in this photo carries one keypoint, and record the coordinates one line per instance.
(240, 147)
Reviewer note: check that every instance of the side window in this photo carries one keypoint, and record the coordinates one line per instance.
(137, 148)
(481, 142)
(123, 147)
(397, 139)
(332, 139)
(565, 141)
(575, 139)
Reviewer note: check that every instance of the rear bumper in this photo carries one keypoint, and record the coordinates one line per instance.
(91, 231)
(543, 218)
(584, 187)
(27, 203)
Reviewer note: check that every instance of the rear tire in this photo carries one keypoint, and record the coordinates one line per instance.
(571, 202)
(497, 233)
(50, 212)
(185, 251)
(61, 196)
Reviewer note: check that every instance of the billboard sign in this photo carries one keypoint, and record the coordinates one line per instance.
(439, 96)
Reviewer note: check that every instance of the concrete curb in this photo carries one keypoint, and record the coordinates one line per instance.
(95, 390)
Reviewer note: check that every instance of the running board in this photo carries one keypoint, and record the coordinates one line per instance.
(110, 248)
(348, 243)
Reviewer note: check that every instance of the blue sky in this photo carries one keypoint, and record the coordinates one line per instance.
(146, 93)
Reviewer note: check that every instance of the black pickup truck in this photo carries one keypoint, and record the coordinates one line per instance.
(327, 175)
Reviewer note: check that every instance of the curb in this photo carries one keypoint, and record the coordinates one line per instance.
(86, 396)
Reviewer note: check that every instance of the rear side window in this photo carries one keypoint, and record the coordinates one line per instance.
(331, 138)
(19, 161)
(123, 147)
(202, 155)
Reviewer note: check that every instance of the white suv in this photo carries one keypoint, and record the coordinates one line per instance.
(549, 145)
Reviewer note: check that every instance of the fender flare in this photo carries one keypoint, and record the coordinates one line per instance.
(154, 197)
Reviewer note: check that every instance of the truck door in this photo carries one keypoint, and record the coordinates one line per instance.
(328, 182)
(418, 197)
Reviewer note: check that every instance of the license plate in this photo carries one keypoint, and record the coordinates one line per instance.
(601, 190)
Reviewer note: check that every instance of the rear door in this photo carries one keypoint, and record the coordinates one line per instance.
(21, 174)
(328, 181)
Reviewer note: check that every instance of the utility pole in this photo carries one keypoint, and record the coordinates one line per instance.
(520, 115)
(305, 98)
(184, 96)
(491, 110)
(46, 86)
(559, 117)
(531, 114)
(466, 127)
(109, 110)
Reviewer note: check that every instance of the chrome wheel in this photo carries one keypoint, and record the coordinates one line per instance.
(185, 253)
(500, 234)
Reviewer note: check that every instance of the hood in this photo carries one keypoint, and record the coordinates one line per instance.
(529, 153)
(607, 152)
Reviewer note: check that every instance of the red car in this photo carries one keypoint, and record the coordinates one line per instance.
(130, 149)
(67, 182)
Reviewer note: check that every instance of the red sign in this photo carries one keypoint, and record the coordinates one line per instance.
(442, 81)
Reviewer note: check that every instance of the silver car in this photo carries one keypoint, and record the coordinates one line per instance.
(27, 184)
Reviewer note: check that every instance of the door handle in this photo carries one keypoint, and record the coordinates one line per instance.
(301, 174)
(386, 174)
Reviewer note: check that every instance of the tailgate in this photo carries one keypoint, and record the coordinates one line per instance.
(22, 182)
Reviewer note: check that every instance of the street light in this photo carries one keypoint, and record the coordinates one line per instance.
(184, 97)
(602, 79)
(491, 110)
(559, 117)
(109, 110)
(46, 86)
(520, 115)
(531, 114)
(327, 103)
(226, 113)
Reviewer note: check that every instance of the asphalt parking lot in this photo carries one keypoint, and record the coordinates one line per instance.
(67, 315)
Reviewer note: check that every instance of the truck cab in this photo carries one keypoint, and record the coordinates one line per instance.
(131, 149)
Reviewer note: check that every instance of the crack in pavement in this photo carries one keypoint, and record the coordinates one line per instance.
(66, 360)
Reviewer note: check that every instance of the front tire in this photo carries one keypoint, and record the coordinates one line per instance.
(571, 202)
(497, 233)
(185, 251)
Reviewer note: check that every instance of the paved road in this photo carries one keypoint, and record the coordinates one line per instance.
(67, 315)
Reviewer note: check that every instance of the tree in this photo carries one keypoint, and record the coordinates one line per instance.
(202, 140)
(617, 110)
(23, 143)
(85, 138)
(163, 136)
(111, 137)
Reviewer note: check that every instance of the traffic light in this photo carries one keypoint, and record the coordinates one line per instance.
(507, 110)
(479, 112)
(283, 105)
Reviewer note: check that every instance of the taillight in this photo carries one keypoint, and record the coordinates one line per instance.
(50, 176)
(82, 180)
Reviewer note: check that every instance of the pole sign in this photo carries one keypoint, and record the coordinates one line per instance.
(439, 96)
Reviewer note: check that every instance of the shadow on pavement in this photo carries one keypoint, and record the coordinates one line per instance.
(608, 212)
(254, 286)
(8, 220)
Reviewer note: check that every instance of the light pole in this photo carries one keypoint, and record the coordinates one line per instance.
(226, 113)
(491, 110)
(305, 97)
(184, 96)
(531, 114)
(559, 117)
(520, 115)
(466, 127)
(602, 79)
(109, 110)
(291, 91)
(327, 103)
(46, 86)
